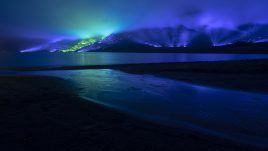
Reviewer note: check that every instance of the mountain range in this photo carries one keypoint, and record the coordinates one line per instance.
(250, 37)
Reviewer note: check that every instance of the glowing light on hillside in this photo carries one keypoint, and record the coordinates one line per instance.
(83, 43)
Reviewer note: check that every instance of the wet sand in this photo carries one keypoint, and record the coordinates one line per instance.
(256, 83)
(43, 113)
(247, 75)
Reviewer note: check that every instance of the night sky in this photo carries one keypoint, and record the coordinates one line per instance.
(32, 25)
(85, 18)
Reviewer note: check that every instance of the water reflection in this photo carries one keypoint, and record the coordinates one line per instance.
(227, 113)
(80, 59)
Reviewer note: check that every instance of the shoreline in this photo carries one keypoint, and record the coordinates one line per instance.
(42, 113)
(245, 75)
(237, 66)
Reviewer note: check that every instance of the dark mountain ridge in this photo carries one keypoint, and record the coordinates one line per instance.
(245, 38)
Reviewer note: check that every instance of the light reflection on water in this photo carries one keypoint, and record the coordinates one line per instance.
(227, 113)
(82, 59)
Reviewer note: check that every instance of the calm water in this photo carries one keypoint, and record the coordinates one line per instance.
(80, 59)
(227, 113)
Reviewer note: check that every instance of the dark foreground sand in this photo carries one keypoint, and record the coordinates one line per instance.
(42, 113)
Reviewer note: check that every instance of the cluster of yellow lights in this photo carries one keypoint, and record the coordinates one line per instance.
(83, 43)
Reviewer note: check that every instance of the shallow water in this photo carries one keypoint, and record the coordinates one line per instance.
(82, 59)
(231, 114)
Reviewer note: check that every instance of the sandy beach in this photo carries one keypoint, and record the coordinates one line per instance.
(43, 113)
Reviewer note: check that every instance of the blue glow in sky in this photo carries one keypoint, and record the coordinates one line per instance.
(37, 24)
(86, 18)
